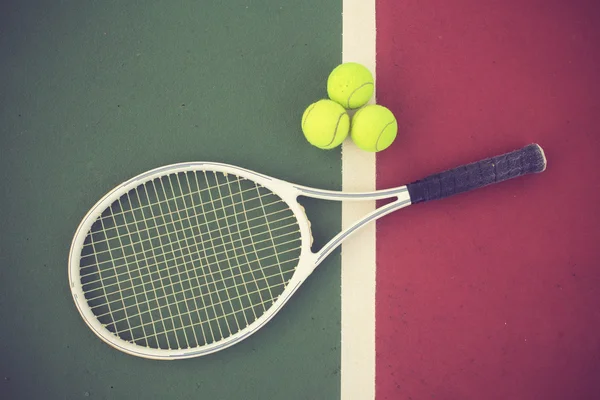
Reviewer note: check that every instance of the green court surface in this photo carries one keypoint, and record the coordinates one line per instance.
(95, 92)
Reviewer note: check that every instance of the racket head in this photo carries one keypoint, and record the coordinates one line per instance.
(103, 321)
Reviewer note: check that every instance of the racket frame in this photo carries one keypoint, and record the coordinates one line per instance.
(307, 263)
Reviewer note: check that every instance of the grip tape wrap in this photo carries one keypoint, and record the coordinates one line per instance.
(529, 159)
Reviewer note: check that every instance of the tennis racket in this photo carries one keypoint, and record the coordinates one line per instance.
(191, 258)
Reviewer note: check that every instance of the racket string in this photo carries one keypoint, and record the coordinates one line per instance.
(206, 285)
(130, 329)
(177, 337)
(211, 282)
(182, 257)
(158, 203)
(216, 318)
(169, 233)
(220, 301)
(178, 312)
(262, 301)
(269, 301)
(272, 240)
(147, 230)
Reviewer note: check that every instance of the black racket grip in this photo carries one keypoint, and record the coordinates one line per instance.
(529, 159)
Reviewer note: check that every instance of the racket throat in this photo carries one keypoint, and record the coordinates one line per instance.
(401, 201)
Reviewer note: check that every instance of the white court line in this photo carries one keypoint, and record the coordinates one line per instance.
(358, 252)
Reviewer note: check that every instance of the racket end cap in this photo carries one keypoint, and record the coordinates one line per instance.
(538, 159)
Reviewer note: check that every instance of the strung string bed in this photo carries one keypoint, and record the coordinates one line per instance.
(188, 259)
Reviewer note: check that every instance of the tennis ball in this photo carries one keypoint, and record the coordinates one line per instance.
(351, 85)
(374, 128)
(325, 124)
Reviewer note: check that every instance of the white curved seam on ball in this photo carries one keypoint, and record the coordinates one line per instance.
(356, 90)
(336, 129)
(381, 133)
(307, 114)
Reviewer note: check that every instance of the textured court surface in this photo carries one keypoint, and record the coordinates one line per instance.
(493, 294)
(93, 93)
(490, 295)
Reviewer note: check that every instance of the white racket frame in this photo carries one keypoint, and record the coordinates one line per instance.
(307, 263)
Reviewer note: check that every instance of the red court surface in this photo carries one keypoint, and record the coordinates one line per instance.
(491, 294)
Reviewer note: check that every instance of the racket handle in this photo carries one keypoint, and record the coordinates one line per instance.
(529, 159)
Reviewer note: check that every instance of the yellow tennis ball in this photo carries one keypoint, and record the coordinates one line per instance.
(351, 85)
(325, 124)
(374, 128)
